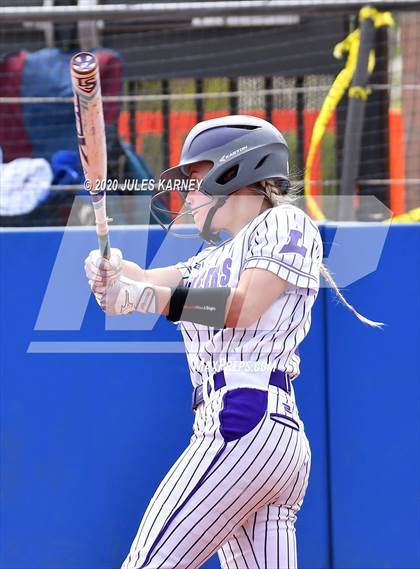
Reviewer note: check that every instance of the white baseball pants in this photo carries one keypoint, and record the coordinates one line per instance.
(237, 497)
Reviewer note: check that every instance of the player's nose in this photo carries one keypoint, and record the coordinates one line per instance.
(191, 197)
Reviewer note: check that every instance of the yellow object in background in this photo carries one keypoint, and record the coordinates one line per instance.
(409, 217)
(350, 46)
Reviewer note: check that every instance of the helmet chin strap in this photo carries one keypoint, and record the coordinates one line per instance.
(206, 233)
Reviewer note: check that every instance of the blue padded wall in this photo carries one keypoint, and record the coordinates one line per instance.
(374, 379)
(86, 437)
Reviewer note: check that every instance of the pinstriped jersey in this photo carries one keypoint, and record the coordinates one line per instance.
(282, 240)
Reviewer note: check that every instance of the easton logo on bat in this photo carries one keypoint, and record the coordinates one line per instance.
(79, 129)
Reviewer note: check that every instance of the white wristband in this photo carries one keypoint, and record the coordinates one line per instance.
(147, 298)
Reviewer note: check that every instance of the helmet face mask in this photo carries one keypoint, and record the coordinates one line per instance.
(243, 150)
(178, 218)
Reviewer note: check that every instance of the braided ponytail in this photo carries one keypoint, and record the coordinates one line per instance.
(327, 276)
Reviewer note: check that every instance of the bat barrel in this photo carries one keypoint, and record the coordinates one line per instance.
(90, 126)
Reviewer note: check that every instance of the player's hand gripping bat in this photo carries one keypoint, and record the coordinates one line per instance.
(90, 126)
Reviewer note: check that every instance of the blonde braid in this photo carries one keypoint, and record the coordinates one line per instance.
(327, 276)
(271, 190)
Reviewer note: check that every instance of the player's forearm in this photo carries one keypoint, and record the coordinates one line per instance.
(162, 295)
(217, 307)
(165, 276)
(207, 306)
(132, 271)
(229, 308)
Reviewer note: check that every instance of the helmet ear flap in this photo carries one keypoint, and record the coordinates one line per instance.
(228, 175)
(284, 186)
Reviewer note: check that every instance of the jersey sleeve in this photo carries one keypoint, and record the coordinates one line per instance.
(287, 243)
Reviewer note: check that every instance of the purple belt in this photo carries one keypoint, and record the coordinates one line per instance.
(278, 379)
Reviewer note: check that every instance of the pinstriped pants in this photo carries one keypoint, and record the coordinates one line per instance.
(239, 498)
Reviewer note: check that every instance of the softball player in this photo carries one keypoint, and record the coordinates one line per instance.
(244, 306)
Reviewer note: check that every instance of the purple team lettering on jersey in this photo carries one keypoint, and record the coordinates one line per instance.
(214, 276)
(292, 245)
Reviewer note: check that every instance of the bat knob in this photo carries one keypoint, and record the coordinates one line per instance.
(84, 62)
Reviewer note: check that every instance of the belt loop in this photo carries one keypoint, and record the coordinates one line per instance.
(280, 379)
(197, 397)
(219, 380)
